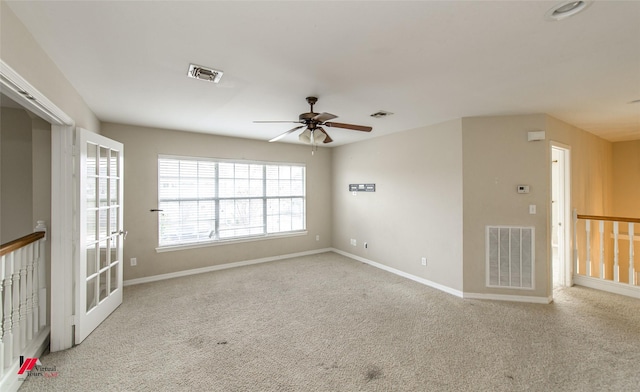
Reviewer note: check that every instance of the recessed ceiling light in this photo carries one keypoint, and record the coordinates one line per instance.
(566, 9)
(204, 73)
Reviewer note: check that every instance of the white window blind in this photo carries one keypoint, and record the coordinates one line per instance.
(210, 200)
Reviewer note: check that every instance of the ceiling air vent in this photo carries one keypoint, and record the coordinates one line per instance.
(381, 113)
(204, 73)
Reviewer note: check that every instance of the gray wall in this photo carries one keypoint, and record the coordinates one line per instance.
(41, 178)
(416, 210)
(22, 53)
(142, 146)
(497, 158)
(16, 207)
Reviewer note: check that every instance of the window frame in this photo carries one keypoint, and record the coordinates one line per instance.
(217, 198)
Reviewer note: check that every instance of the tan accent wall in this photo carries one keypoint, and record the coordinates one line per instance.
(591, 167)
(16, 165)
(416, 210)
(626, 200)
(22, 53)
(592, 185)
(496, 158)
(142, 147)
(626, 179)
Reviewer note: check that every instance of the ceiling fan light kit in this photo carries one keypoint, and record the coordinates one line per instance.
(313, 123)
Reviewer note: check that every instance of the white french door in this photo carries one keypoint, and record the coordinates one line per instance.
(99, 274)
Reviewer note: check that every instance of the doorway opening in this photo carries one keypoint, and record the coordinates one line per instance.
(561, 270)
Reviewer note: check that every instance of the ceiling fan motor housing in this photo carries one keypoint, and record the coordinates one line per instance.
(307, 118)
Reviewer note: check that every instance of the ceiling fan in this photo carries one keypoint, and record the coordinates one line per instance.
(314, 123)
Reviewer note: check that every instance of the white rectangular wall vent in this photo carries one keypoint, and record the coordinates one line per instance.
(510, 257)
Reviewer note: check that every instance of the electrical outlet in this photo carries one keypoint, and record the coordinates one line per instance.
(134, 261)
(318, 237)
(424, 261)
(366, 245)
(354, 242)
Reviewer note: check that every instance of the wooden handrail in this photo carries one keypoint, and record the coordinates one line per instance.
(20, 242)
(609, 218)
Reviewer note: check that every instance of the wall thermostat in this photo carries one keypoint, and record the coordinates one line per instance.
(523, 188)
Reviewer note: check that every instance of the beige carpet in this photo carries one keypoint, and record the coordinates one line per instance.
(329, 323)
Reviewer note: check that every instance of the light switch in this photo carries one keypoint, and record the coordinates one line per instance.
(532, 209)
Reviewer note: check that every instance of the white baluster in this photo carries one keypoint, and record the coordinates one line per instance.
(36, 288)
(601, 226)
(27, 254)
(576, 266)
(632, 274)
(588, 231)
(8, 303)
(15, 305)
(616, 267)
(33, 255)
(41, 287)
(2, 338)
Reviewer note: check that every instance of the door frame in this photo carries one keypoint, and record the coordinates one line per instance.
(566, 212)
(62, 201)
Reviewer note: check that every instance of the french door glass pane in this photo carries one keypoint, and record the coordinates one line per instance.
(113, 191)
(102, 191)
(103, 285)
(113, 249)
(114, 277)
(104, 261)
(92, 193)
(91, 159)
(102, 223)
(91, 293)
(104, 160)
(113, 163)
(92, 262)
(113, 220)
(92, 227)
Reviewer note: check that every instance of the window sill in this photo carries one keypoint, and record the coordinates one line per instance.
(171, 248)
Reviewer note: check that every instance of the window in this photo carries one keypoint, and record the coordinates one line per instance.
(206, 200)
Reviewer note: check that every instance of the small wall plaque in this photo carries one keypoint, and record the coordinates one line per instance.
(362, 187)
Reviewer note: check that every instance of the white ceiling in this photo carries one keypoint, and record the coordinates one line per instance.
(427, 62)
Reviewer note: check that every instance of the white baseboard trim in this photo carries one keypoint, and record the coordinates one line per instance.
(195, 271)
(511, 298)
(607, 285)
(11, 381)
(418, 279)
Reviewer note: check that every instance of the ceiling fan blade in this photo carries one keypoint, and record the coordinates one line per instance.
(266, 122)
(322, 117)
(348, 126)
(275, 139)
(328, 138)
